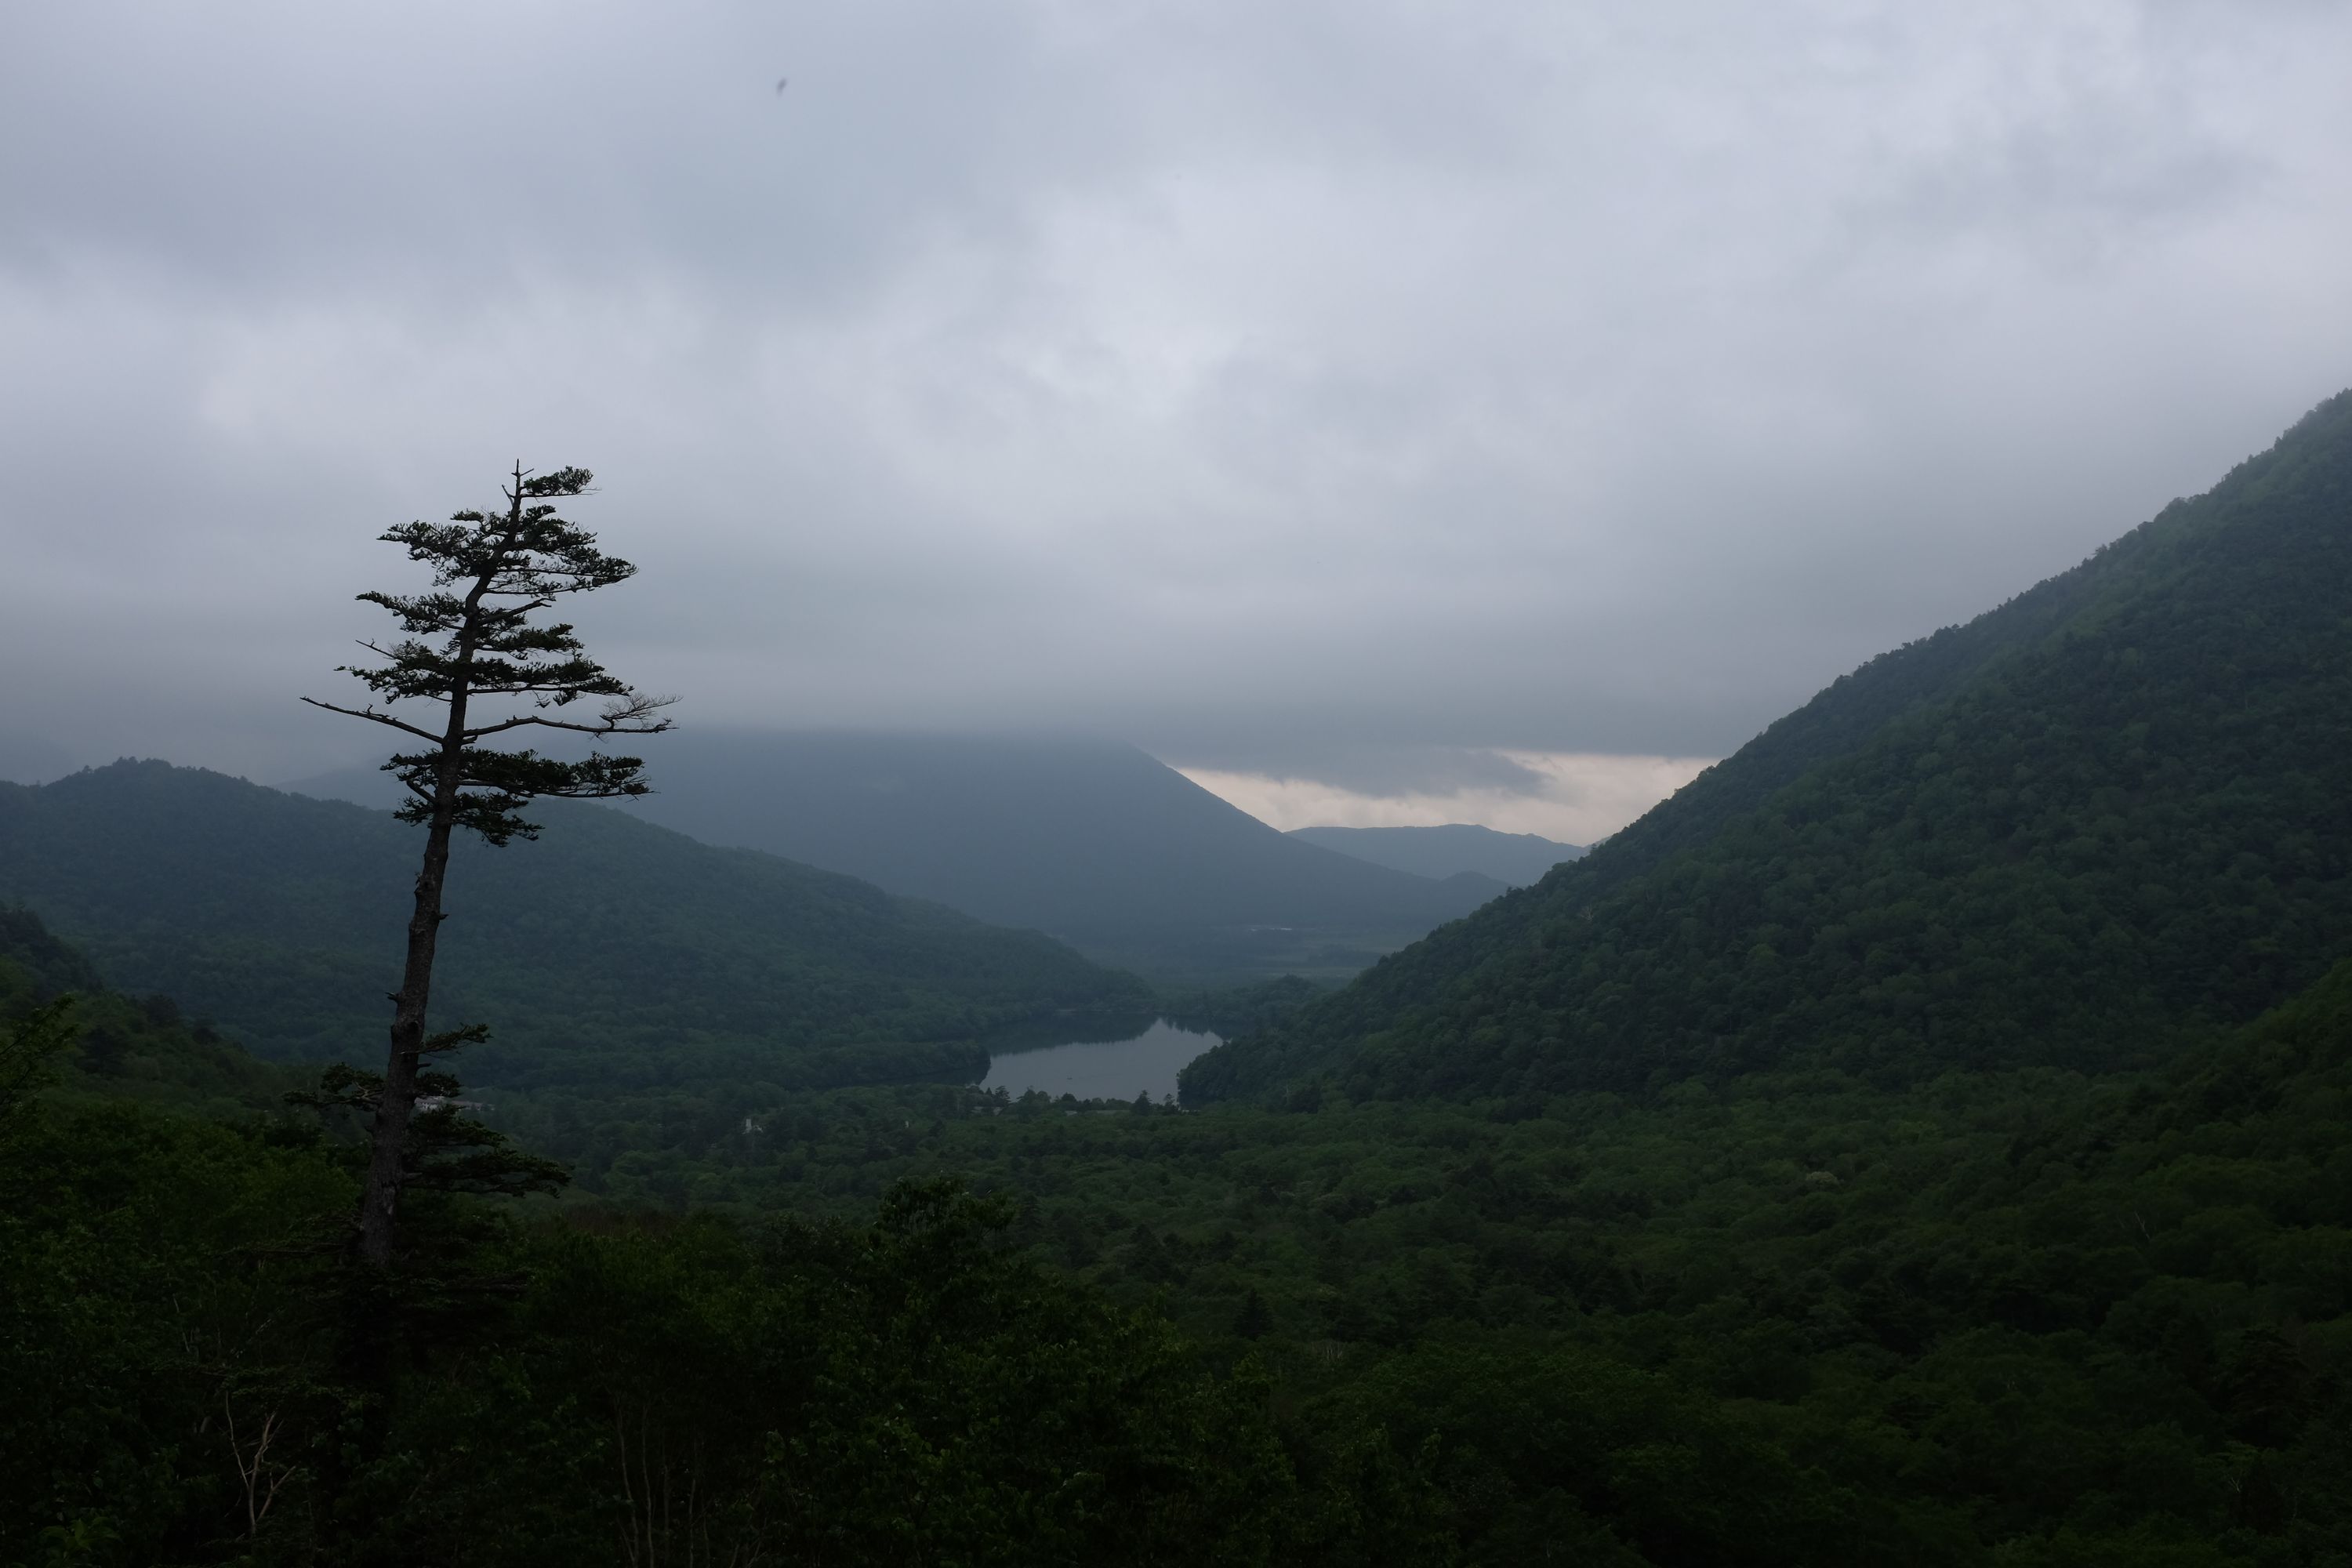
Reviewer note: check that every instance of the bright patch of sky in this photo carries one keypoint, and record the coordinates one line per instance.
(1577, 798)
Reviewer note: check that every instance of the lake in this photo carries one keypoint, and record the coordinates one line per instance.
(1102, 1069)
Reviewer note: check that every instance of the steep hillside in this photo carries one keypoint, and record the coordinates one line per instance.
(126, 1047)
(1092, 841)
(608, 946)
(2085, 826)
(1513, 859)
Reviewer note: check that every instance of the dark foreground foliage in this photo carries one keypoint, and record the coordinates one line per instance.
(2030, 1316)
(185, 1377)
(2025, 1317)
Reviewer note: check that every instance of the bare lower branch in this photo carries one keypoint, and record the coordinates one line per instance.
(620, 727)
(637, 705)
(262, 1479)
(598, 793)
(371, 713)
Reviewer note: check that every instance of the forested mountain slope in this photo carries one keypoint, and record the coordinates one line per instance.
(2105, 816)
(1078, 837)
(608, 945)
(126, 1047)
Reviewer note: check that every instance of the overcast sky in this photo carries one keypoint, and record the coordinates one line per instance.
(1378, 402)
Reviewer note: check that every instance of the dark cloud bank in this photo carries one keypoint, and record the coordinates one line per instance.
(1357, 392)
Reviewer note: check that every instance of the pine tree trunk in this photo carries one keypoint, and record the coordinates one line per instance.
(388, 1143)
(380, 1200)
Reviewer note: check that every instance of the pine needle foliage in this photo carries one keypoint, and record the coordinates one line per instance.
(473, 640)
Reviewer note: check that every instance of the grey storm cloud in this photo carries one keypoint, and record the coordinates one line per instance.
(1352, 391)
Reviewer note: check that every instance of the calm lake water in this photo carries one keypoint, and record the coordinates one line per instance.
(1102, 1069)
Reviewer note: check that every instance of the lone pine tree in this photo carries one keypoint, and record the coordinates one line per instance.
(477, 643)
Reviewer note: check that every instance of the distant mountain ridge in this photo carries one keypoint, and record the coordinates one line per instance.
(2085, 827)
(1091, 841)
(1513, 859)
(608, 941)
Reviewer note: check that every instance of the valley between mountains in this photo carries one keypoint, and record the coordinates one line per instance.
(1925, 1137)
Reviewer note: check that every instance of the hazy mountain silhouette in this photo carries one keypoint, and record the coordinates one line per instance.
(1514, 859)
(608, 941)
(1089, 840)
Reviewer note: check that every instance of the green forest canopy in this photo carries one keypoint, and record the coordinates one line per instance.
(2027, 1315)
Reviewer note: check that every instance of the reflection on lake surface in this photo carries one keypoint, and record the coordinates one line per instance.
(1102, 1069)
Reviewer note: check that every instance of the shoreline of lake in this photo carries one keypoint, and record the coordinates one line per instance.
(1143, 1063)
